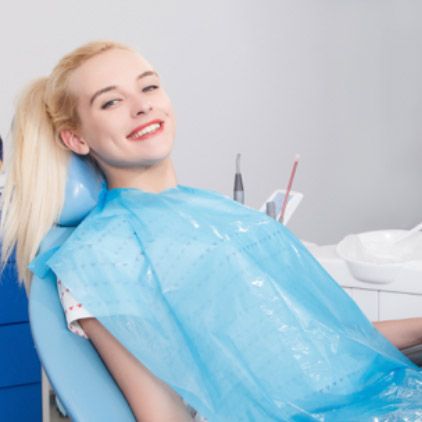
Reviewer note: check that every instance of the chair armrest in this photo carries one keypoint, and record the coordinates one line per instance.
(414, 353)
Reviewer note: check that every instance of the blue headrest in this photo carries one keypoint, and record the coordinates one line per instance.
(83, 187)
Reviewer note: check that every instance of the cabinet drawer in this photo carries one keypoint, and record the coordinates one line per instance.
(399, 305)
(367, 300)
(19, 362)
(21, 404)
(13, 301)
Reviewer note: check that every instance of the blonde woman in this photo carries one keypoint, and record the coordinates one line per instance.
(192, 301)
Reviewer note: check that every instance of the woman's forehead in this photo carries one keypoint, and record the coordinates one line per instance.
(110, 68)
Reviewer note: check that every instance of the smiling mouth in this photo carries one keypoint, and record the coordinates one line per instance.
(146, 131)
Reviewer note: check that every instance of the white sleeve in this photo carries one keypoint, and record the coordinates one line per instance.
(73, 310)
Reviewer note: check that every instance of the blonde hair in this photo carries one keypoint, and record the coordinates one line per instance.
(36, 174)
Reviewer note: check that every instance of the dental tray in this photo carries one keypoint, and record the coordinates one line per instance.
(278, 197)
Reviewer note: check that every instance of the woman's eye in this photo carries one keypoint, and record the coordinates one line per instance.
(150, 88)
(110, 103)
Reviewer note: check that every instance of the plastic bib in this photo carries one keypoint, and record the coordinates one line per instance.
(226, 306)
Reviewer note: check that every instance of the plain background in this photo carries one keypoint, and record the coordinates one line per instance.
(338, 81)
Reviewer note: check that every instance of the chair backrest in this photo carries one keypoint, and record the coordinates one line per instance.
(78, 376)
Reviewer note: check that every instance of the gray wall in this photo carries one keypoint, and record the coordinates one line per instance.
(337, 81)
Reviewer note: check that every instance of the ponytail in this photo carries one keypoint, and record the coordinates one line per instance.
(36, 176)
(35, 183)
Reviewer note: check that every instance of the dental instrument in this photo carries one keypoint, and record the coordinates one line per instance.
(270, 209)
(238, 192)
(277, 197)
(289, 188)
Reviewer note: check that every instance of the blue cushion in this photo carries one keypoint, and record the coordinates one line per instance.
(83, 187)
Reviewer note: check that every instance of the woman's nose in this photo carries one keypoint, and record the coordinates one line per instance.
(141, 106)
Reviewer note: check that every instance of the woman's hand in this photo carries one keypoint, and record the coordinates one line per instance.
(150, 399)
(402, 332)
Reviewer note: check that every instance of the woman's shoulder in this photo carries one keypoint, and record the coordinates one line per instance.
(206, 193)
(104, 228)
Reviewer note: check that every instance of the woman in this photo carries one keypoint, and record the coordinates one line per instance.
(188, 293)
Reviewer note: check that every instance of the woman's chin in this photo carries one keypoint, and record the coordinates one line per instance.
(156, 161)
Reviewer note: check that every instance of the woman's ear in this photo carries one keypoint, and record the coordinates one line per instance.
(74, 142)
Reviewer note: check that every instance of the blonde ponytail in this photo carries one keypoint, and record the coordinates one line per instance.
(36, 171)
(34, 190)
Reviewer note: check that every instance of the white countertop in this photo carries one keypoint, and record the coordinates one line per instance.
(409, 280)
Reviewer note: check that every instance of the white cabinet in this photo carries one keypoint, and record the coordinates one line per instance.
(393, 305)
(378, 301)
(368, 301)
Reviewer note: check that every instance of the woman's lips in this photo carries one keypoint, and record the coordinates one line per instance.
(146, 130)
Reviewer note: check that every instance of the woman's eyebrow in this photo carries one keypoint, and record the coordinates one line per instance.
(101, 91)
(147, 73)
(112, 87)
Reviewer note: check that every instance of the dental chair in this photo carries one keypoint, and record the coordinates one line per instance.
(84, 386)
(85, 389)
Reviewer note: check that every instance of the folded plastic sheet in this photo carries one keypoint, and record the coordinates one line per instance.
(226, 306)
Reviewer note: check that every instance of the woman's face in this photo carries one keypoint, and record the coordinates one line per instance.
(126, 118)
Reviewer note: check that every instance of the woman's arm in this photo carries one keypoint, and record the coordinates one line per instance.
(150, 399)
(403, 332)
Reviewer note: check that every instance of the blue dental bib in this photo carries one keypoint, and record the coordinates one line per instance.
(227, 307)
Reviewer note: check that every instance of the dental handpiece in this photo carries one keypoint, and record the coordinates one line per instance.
(238, 192)
(270, 209)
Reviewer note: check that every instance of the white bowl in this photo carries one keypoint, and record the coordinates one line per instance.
(374, 257)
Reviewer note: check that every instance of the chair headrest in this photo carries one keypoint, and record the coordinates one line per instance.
(83, 186)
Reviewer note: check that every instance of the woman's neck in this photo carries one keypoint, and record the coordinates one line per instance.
(156, 178)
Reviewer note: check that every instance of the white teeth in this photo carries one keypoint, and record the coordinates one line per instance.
(145, 130)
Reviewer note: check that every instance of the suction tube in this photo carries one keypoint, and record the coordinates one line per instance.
(238, 191)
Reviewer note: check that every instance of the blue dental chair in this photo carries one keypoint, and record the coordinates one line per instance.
(84, 387)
